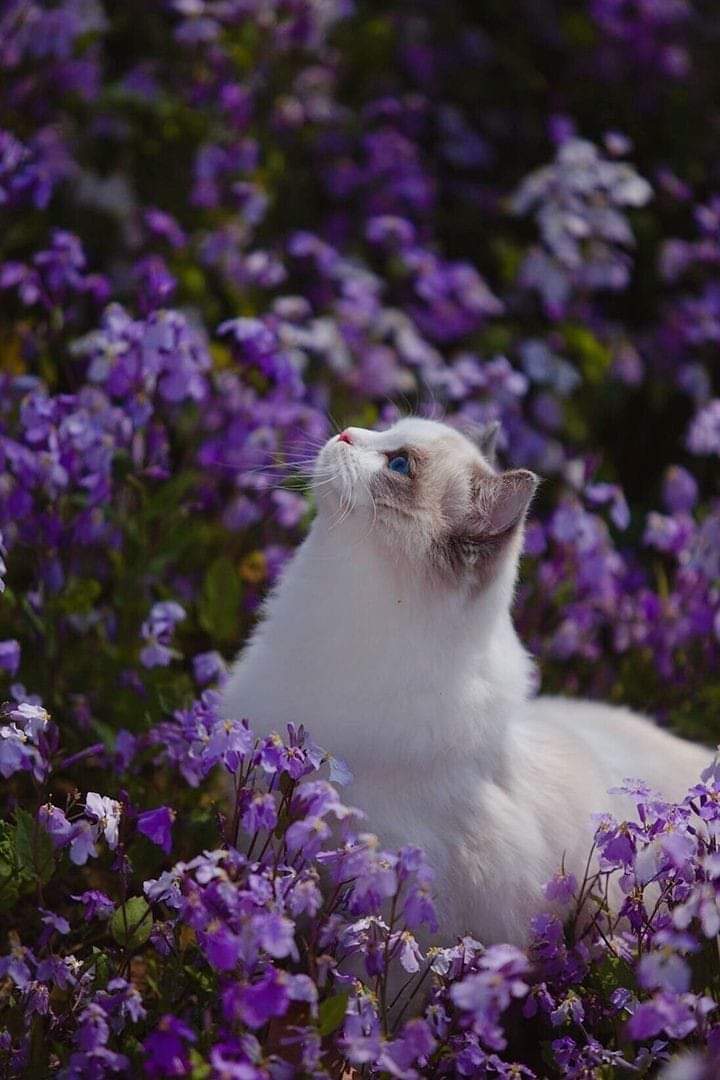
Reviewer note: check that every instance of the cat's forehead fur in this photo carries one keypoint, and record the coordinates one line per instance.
(418, 433)
(445, 459)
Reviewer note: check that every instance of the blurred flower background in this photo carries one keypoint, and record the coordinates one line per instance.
(226, 227)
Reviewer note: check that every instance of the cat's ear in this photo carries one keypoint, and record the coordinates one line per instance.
(498, 508)
(501, 502)
(488, 440)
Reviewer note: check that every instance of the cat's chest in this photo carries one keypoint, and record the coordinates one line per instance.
(348, 700)
(429, 805)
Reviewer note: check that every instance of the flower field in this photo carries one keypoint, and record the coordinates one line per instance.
(226, 228)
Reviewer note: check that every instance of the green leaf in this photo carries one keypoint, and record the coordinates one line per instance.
(219, 604)
(199, 1068)
(595, 357)
(102, 968)
(12, 882)
(33, 847)
(199, 979)
(332, 1013)
(79, 596)
(131, 924)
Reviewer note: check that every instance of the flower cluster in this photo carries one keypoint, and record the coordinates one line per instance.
(226, 226)
(578, 202)
(303, 945)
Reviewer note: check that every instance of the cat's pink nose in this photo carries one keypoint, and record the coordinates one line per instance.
(344, 436)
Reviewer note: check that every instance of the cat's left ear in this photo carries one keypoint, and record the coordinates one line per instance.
(503, 501)
(500, 504)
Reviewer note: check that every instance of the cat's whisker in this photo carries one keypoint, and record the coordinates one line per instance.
(320, 483)
(342, 518)
(373, 518)
(333, 421)
(279, 467)
(256, 470)
(347, 504)
(342, 514)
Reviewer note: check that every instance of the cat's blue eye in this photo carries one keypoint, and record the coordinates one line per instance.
(400, 464)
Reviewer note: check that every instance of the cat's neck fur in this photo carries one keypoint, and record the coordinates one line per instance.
(378, 662)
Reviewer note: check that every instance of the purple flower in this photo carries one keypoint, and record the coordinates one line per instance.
(561, 888)
(165, 226)
(166, 888)
(680, 490)
(229, 742)
(261, 813)
(16, 965)
(251, 334)
(488, 994)
(617, 845)
(701, 904)
(208, 667)
(93, 1055)
(122, 1000)
(361, 1041)
(569, 1010)
(37, 1000)
(82, 846)
(679, 847)
(126, 745)
(166, 1048)
(57, 825)
(221, 946)
(24, 742)
(234, 1057)
(390, 230)
(408, 951)
(157, 826)
(602, 494)
(259, 1002)
(674, 1014)
(275, 934)
(289, 508)
(376, 882)
(664, 970)
(670, 534)
(97, 905)
(415, 1044)
(10, 656)
(54, 922)
(419, 909)
(157, 631)
(155, 283)
(704, 434)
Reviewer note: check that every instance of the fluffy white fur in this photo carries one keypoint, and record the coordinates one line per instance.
(420, 682)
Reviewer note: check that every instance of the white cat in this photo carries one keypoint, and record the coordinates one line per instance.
(390, 638)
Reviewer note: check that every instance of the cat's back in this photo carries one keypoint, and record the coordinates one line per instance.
(608, 744)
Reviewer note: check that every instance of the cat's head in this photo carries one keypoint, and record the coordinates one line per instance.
(428, 492)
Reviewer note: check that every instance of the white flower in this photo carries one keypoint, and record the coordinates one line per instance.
(107, 814)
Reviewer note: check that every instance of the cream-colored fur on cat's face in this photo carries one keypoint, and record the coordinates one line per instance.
(390, 637)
